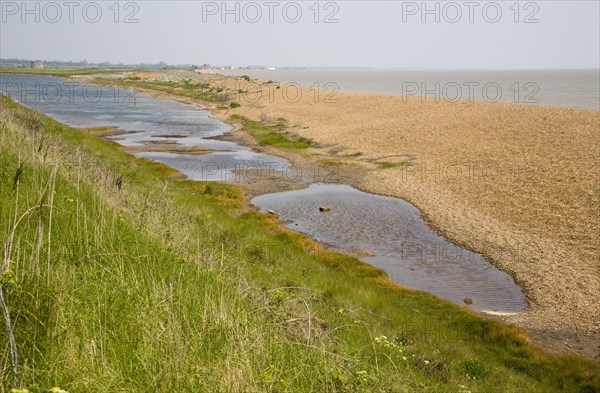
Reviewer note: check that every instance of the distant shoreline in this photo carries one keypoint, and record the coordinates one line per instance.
(576, 89)
(443, 85)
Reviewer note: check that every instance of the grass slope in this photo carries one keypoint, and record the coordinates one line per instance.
(120, 278)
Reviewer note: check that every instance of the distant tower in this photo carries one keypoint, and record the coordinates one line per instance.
(37, 64)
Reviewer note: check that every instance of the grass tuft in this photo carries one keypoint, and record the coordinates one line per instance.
(390, 165)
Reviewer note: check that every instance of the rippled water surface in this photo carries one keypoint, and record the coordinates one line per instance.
(404, 245)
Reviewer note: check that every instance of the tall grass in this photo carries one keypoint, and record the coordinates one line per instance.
(119, 278)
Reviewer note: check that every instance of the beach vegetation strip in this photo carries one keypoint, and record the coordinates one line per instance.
(275, 134)
(118, 276)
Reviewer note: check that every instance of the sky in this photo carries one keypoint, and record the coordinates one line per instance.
(401, 34)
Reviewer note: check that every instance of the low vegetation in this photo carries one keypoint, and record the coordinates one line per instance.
(275, 135)
(390, 165)
(119, 278)
(185, 88)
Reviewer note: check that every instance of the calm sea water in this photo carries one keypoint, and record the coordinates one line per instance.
(563, 88)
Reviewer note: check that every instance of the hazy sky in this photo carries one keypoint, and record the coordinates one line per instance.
(467, 34)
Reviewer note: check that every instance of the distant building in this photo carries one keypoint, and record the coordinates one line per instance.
(37, 64)
(205, 69)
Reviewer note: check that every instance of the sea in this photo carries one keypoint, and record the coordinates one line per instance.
(560, 88)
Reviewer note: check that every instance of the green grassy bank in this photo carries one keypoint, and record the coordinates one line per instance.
(120, 278)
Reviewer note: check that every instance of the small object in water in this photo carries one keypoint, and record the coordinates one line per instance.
(324, 208)
(272, 212)
(468, 300)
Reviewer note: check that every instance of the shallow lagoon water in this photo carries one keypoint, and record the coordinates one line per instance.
(221, 166)
(404, 245)
(145, 119)
(392, 229)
